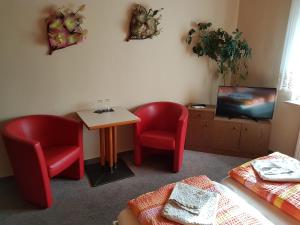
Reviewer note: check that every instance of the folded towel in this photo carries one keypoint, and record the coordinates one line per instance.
(280, 170)
(191, 206)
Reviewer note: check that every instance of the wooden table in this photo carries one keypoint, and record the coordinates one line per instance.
(107, 124)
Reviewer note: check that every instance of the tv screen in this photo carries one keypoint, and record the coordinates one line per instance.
(246, 102)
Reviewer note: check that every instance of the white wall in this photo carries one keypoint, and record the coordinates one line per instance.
(104, 66)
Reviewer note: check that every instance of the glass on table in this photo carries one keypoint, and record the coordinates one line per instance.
(107, 106)
(100, 105)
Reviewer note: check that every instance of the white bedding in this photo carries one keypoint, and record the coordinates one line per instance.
(236, 191)
(282, 170)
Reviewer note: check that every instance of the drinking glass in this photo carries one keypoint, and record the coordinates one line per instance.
(100, 105)
(107, 105)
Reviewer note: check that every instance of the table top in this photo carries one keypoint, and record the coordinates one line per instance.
(120, 116)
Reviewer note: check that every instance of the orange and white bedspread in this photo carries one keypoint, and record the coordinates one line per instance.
(148, 207)
(285, 196)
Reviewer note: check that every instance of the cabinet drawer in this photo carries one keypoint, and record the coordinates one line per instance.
(202, 115)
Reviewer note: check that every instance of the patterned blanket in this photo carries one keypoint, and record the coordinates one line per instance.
(285, 196)
(148, 207)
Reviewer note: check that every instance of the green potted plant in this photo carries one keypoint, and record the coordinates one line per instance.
(229, 51)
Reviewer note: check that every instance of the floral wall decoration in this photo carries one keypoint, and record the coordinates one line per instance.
(144, 24)
(64, 28)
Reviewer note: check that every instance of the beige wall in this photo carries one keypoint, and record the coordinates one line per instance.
(264, 23)
(104, 66)
(285, 127)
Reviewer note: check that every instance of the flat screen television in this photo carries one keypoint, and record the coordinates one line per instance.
(246, 102)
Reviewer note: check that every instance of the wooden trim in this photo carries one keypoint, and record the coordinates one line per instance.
(111, 146)
(106, 144)
(102, 146)
(115, 148)
(112, 124)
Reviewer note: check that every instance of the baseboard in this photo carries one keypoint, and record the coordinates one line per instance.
(97, 159)
(91, 161)
(7, 177)
(86, 162)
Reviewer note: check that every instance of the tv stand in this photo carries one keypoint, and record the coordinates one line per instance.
(229, 136)
(245, 118)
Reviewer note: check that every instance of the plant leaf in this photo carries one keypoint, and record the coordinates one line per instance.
(228, 50)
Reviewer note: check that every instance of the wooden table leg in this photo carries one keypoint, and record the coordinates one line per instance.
(115, 140)
(102, 146)
(111, 151)
(107, 144)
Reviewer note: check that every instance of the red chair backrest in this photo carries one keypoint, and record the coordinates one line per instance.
(42, 128)
(160, 115)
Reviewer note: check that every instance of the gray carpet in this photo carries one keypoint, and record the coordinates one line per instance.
(76, 202)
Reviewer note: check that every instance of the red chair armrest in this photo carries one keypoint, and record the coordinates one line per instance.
(142, 123)
(24, 150)
(29, 166)
(181, 127)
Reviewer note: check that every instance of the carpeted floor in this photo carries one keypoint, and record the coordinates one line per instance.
(76, 202)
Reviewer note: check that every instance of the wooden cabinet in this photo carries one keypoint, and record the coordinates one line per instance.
(237, 137)
(255, 138)
(226, 136)
(200, 128)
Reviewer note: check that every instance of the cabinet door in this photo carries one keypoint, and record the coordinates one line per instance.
(193, 130)
(255, 139)
(206, 134)
(200, 128)
(226, 136)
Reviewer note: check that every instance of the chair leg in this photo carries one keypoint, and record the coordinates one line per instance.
(138, 155)
(75, 171)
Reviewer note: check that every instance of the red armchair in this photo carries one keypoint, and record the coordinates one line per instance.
(41, 147)
(162, 126)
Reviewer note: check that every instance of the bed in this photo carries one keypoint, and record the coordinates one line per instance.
(247, 200)
(270, 202)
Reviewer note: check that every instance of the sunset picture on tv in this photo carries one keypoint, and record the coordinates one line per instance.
(246, 102)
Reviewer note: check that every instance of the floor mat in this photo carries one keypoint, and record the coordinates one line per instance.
(101, 175)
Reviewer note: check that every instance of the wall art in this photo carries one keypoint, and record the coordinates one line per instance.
(144, 24)
(64, 28)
